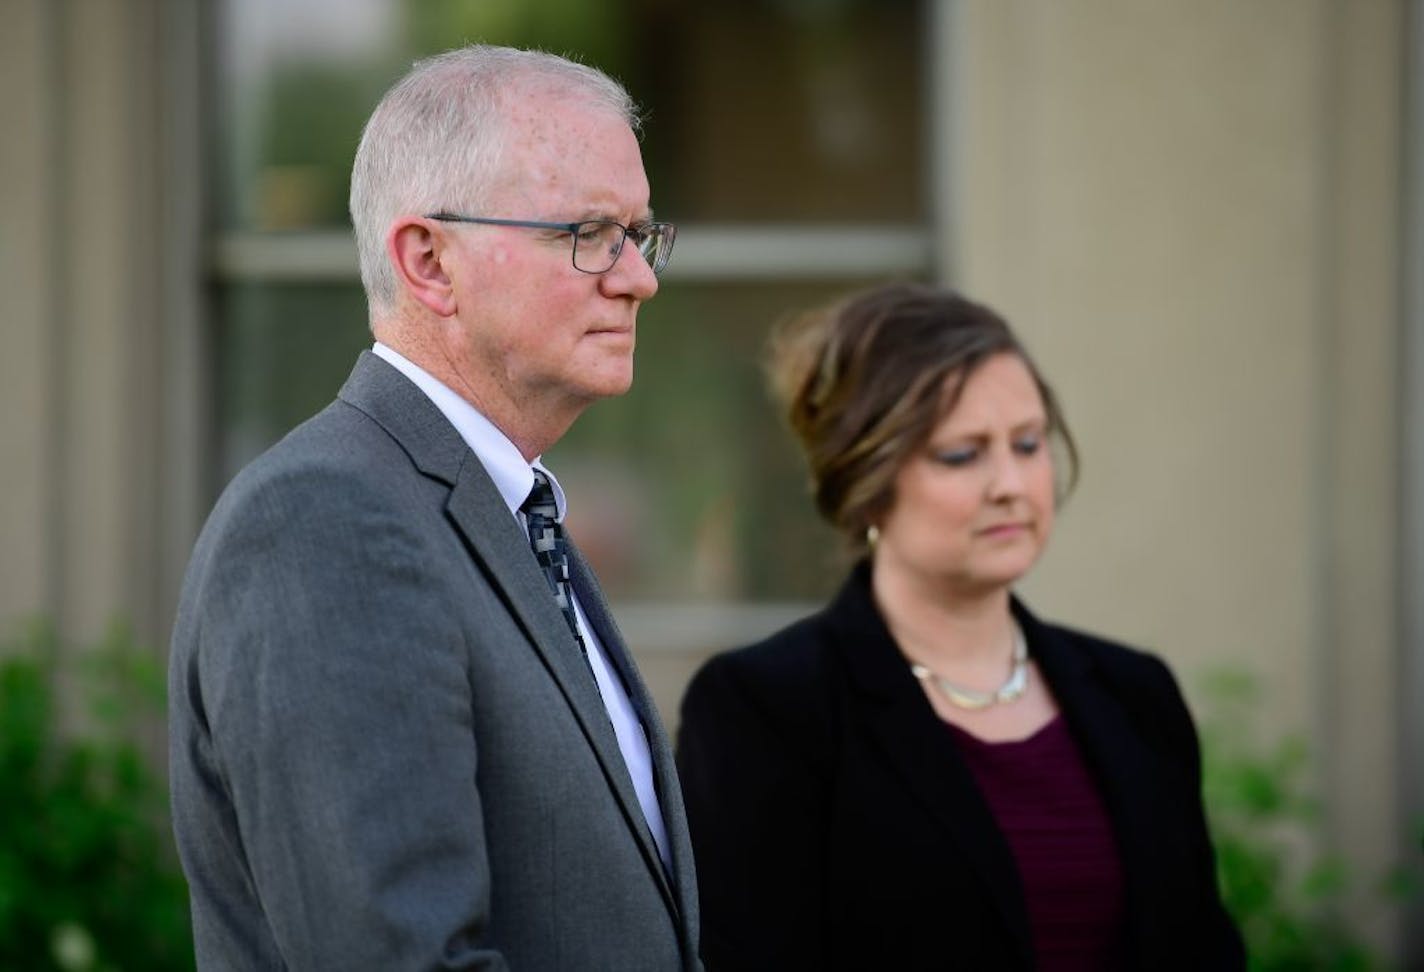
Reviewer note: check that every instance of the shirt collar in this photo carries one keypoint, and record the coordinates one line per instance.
(512, 476)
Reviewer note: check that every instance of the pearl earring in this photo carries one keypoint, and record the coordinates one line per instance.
(872, 536)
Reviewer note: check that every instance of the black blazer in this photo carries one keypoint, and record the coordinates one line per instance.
(835, 824)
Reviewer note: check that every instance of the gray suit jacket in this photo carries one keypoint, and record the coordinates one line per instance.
(386, 750)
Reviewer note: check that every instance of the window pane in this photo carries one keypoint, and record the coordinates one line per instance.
(758, 110)
(764, 111)
(280, 355)
(689, 487)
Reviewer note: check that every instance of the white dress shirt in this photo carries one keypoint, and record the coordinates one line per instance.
(514, 478)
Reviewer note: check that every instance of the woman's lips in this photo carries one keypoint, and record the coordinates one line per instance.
(1003, 530)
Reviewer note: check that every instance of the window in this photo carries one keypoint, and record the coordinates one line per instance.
(786, 139)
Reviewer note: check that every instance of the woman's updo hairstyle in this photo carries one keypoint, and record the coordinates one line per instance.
(865, 380)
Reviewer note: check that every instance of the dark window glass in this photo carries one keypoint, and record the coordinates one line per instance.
(689, 487)
(758, 110)
(280, 355)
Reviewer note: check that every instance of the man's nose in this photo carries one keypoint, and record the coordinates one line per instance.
(630, 275)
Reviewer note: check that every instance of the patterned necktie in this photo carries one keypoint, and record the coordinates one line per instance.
(546, 536)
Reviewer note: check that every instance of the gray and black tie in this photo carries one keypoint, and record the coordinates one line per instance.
(546, 536)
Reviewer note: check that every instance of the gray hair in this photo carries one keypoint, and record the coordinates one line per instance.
(436, 139)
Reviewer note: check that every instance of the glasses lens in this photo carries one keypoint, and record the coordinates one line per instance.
(596, 245)
(656, 244)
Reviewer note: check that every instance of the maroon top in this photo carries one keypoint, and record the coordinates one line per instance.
(1048, 809)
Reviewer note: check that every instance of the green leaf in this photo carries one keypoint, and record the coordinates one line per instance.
(86, 864)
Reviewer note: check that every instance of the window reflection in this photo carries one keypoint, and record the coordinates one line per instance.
(281, 353)
(688, 487)
(759, 110)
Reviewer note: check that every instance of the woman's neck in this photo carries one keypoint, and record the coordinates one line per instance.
(941, 627)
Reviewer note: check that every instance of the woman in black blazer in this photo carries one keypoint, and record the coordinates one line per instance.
(924, 775)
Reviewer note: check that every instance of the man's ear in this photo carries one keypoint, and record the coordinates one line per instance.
(417, 252)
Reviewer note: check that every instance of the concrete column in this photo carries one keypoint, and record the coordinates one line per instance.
(1361, 288)
(29, 333)
(100, 274)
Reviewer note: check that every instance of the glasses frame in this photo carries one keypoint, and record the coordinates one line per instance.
(639, 233)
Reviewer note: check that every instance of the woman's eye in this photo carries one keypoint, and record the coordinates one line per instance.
(1028, 445)
(956, 457)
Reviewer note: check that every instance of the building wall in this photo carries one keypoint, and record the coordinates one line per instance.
(26, 559)
(98, 382)
(1190, 209)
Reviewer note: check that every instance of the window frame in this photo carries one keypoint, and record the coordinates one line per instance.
(706, 252)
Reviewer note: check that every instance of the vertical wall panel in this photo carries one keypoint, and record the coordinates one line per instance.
(1363, 661)
(30, 339)
(99, 272)
(103, 269)
(1409, 694)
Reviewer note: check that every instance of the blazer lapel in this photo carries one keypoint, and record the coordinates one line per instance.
(1122, 766)
(501, 550)
(921, 749)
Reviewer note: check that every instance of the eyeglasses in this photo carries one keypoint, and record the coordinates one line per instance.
(597, 242)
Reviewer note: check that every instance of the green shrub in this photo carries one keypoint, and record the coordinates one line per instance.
(1265, 824)
(88, 879)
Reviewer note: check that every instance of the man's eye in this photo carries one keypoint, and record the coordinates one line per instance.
(590, 232)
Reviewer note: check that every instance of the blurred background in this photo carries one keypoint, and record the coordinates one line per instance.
(1204, 216)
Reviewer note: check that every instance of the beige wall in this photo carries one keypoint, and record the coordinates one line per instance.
(26, 561)
(1189, 209)
(99, 451)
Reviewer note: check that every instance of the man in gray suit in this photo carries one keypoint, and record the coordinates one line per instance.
(400, 737)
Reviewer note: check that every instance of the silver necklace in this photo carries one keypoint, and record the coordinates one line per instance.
(964, 698)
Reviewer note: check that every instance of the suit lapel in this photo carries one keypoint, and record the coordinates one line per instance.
(921, 749)
(665, 779)
(480, 515)
(595, 609)
(501, 550)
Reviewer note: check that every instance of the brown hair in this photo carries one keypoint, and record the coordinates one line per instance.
(865, 380)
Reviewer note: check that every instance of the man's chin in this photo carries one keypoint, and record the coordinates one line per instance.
(611, 384)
